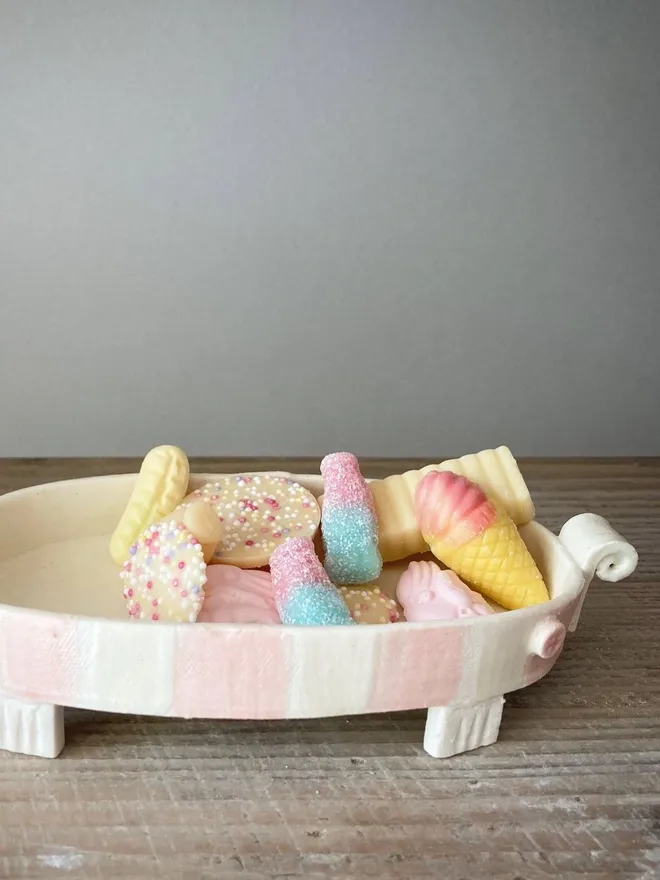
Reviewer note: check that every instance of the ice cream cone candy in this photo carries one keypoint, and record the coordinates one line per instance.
(495, 470)
(474, 535)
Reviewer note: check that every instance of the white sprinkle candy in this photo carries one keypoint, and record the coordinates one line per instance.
(253, 511)
(165, 574)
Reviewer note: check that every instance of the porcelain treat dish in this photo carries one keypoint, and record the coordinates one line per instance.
(65, 639)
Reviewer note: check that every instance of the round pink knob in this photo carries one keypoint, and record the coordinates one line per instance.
(547, 638)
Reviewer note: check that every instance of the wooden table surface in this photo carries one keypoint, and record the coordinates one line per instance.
(571, 789)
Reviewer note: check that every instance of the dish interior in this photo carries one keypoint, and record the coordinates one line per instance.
(54, 549)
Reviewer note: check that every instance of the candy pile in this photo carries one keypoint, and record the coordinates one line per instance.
(241, 549)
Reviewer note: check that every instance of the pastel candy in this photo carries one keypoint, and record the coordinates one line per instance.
(237, 596)
(369, 604)
(304, 594)
(348, 521)
(165, 574)
(475, 537)
(429, 593)
(258, 512)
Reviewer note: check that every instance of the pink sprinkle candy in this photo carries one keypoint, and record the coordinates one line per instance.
(150, 585)
(184, 593)
(155, 617)
(344, 484)
(182, 564)
(155, 603)
(175, 582)
(130, 593)
(127, 566)
(249, 543)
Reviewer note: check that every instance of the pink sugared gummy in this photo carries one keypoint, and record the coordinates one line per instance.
(344, 484)
(295, 563)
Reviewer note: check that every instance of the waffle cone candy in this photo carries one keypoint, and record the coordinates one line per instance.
(476, 538)
(495, 470)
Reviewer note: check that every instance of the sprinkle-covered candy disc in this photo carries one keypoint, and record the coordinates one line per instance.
(165, 574)
(258, 513)
(368, 604)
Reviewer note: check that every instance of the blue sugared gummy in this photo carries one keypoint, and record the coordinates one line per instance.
(350, 538)
(315, 605)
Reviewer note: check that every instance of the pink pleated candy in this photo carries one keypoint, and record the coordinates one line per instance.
(237, 596)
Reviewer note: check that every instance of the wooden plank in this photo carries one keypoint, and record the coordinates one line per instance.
(571, 789)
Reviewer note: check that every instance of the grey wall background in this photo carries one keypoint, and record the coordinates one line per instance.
(401, 228)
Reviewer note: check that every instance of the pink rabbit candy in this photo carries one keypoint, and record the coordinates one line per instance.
(427, 592)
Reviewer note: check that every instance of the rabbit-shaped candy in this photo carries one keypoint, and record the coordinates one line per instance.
(427, 592)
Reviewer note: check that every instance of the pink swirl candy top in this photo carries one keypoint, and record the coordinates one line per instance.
(429, 593)
(451, 508)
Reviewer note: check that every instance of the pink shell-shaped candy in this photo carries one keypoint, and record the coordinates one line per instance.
(451, 508)
(429, 593)
(237, 596)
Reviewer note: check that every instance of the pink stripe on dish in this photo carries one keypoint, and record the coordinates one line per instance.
(223, 672)
(39, 657)
(418, 668)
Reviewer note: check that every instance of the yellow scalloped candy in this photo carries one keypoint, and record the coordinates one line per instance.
(160, 487)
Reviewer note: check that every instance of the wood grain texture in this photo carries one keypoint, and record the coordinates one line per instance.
(571, 789)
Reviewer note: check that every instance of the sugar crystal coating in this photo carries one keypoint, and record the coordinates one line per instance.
(349, 522)
(295, 562)
(304, 594)
(344, 484)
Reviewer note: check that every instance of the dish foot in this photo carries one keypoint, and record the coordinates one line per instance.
(31, 728)
(451, 730)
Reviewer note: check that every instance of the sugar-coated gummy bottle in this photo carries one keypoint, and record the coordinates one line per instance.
(304, 594)
(349, 523)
